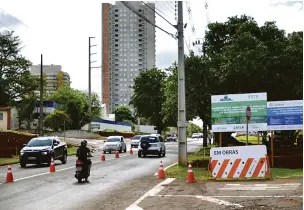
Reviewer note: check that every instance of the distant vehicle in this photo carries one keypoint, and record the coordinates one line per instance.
(115, 143)
(151, 145)
(172, 137)
(196, 135)
(42, 150)
(135, 141)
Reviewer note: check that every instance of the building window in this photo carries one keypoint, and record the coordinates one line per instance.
(1, 116)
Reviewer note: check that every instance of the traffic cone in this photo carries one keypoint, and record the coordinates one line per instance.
(190, 176)
(52, 166)
(9, 175)
(116, 154)
(161, 172)
(103, 157)
(131, 151)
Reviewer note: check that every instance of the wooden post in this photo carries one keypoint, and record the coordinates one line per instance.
(272, 150)
(220, 143)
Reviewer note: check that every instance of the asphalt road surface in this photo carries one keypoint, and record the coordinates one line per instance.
(35, 188)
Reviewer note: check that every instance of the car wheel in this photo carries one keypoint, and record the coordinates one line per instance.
(79, 180)
(120, 150)
(139, 154)
(64, 158)
(125, 150)
(164, 153)
(160, 153)
(23, 165)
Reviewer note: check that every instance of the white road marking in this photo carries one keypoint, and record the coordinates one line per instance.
(63, 169)
(153, 192)
(261, 187)
(211, 199)
(258, 196)
(167, 168)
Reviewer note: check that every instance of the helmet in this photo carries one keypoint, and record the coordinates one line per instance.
(84, 143)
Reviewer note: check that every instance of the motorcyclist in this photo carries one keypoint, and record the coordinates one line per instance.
(83, 152)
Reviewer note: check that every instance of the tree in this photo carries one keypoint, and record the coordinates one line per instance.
(56, 120)
(193, 128)
(15, 78)
(149, 96)
(96, 106)
(25, 109)
(123, 113)
(75, 104)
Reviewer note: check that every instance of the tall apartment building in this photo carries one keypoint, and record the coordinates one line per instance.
(128, 47)
(53, 74)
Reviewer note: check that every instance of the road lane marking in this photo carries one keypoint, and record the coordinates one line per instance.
(260, 187)
(258, 196)
(63, 169)
(207, 198)
(153, 192)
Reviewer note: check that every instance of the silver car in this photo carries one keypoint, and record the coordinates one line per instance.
(115, 143)
(135, 141)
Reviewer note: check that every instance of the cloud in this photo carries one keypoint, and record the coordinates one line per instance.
(164, 59)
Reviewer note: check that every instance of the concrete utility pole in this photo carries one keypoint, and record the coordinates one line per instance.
(181, 124)
(41, 98)
(90, 62)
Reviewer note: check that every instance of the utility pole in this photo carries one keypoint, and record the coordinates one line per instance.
(90, 99)
(41, 98)
(182, 124)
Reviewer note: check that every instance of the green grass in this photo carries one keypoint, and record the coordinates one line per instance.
(201, 173)
(251, 139)
(15, 159)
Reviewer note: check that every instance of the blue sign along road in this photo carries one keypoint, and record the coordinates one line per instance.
(285, 115)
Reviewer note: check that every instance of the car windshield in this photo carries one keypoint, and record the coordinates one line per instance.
(150, 139)
(40, 142)
(195, 134)
(113, 140)
(136, 138)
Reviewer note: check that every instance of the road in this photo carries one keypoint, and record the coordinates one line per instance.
(36, 188)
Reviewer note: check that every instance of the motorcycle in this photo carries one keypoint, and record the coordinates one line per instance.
(80, 171)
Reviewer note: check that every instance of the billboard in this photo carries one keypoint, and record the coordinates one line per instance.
(285, 115)
(229, 112)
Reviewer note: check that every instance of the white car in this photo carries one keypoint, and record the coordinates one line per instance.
(135, 141)
(115, 143)
(151, 145)
(195, 135)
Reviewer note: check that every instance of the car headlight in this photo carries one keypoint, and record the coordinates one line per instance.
(44, 153)
(21, 153)
(118, 145)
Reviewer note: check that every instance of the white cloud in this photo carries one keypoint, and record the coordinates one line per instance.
(60, 29)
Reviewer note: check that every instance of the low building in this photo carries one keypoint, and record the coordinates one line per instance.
(5, 118)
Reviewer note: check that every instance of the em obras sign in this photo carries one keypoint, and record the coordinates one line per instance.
(229, 112)
(238, 162)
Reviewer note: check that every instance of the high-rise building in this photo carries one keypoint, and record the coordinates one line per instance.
(128, 47)
(53, 75)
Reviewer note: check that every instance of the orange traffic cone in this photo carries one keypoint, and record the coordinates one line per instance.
(116, 154)
(103, 157)
(52, 166)
(131, 151)
(9, 175)
(190, 176)
(161, 172)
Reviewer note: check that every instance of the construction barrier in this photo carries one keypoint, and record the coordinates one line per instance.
(239, 162)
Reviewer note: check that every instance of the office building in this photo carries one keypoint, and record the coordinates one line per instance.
(53, 74)
(128, 47)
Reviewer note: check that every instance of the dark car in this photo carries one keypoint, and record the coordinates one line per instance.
(42, 149)
(172, 137)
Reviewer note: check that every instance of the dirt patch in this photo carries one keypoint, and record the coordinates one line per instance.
(200, 163)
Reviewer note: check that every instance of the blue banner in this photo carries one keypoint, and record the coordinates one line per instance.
(282, 115)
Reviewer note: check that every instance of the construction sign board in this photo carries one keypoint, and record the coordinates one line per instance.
(229, 112)
(238, 162)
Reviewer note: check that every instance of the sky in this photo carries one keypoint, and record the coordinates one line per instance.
(60, 29)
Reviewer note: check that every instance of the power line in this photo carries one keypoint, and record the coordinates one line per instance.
(146, 19)
(14, 18)
(158, 14)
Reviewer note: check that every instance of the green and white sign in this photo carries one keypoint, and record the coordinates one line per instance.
(229, 112)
